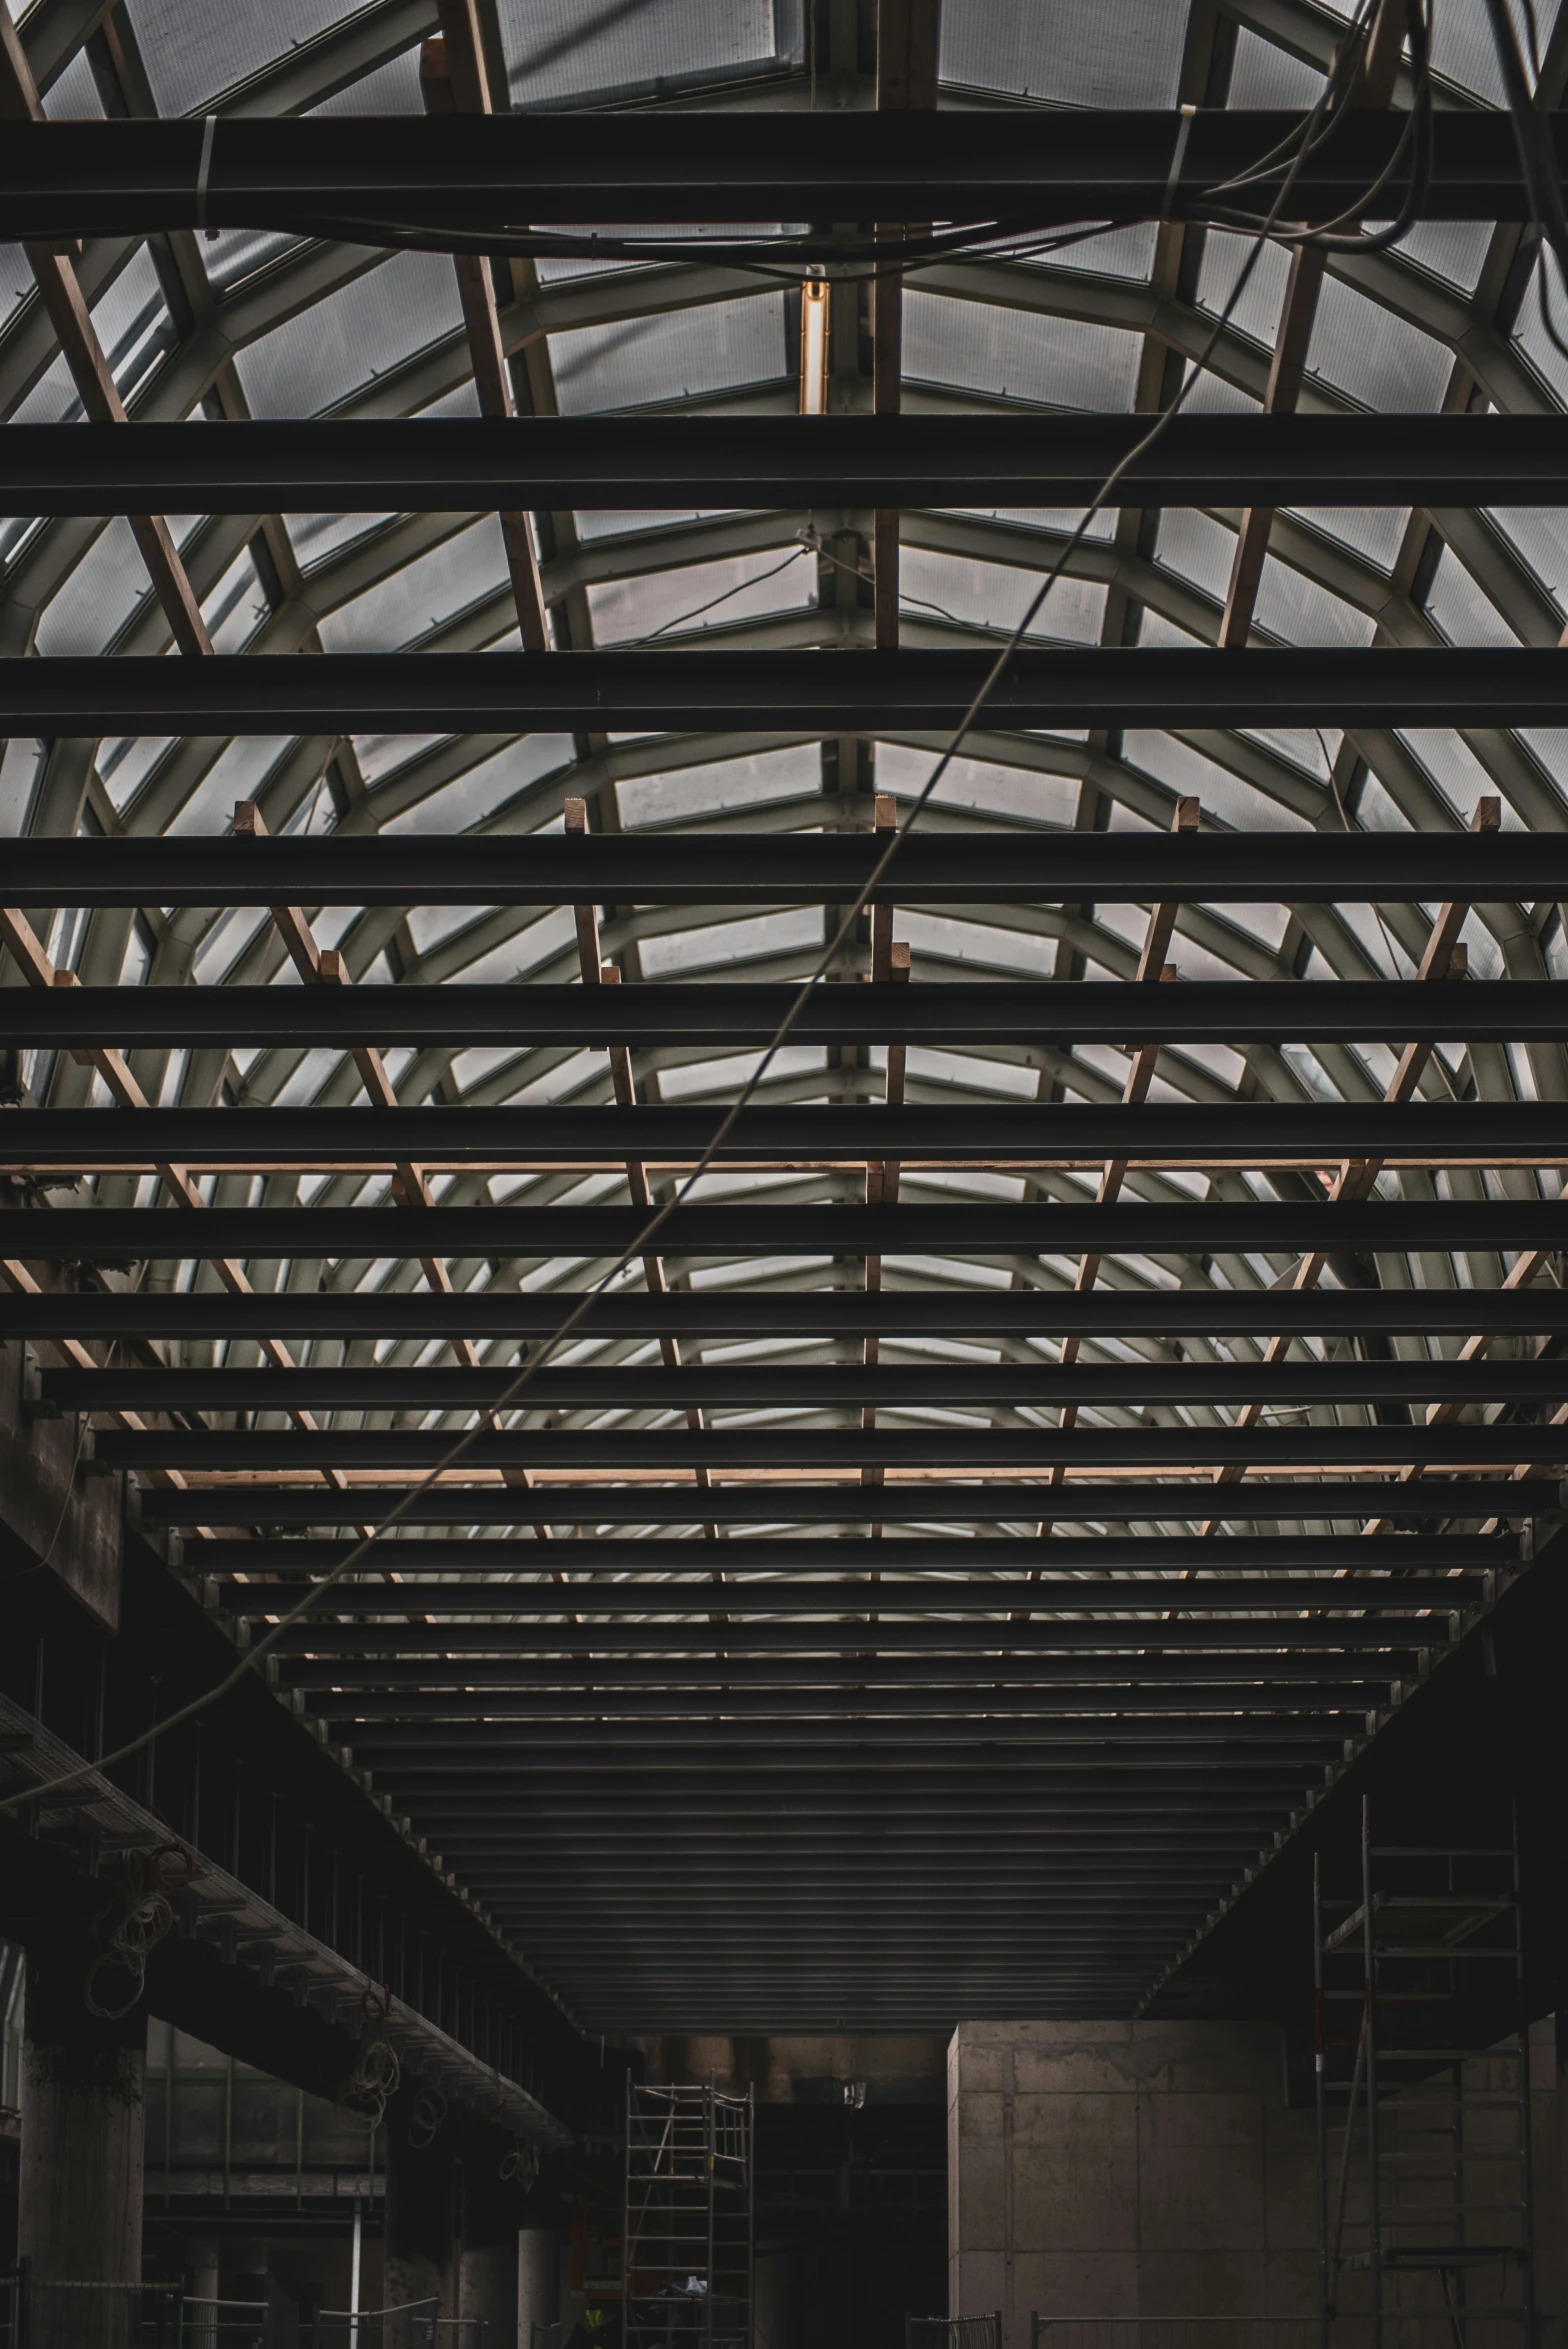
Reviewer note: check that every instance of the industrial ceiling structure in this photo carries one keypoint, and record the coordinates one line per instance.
(829, 1507)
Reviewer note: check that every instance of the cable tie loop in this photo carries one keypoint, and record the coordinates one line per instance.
(1178, 158)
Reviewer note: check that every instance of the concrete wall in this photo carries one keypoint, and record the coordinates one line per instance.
(1127, 2169)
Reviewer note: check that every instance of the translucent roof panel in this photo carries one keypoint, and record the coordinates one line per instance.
(685, 354)
(1075, 53)
(193, 55)
(577, 52)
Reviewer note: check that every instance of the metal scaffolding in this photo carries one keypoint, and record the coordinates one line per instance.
(1424, 2154)
(689, 2200)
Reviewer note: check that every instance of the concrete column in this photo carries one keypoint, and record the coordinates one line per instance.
(538, 2289)
(421, 2215)
(492, 2206)
(83, 2082)
(201, 2265)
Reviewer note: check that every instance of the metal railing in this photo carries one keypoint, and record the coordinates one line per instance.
(1172, 2332)
(37, 2314)
(954, 2332)
(412, 2324)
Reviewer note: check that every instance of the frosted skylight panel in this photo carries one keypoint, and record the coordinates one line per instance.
(133, 323)
(423, 596)
(795, 929)
(237, 605)
(235, 254)
(1264, 75)
(1196, 549)
(1258, 306)
(1016, 794)
(314, 537)
(1379, 360)
(622, 522)
(572, 52)
(19, 765)
(995, 595)
(1297, 611)
(1548, 749)
(1375, 533)
(344, 341)
(99, 597)
(1454, 250)
(472, 798)
(1004, 354)
(192, 55)
(1309, 750)
(1071, 52)
(701, 596)
(1530, 335)
(1227, 798)
(760, 780)
(1460, 611)
(683, 354)
(1463, 49)
(1114, 252)
(16, 280)
(1458, 777)
(1539, 536)
(73, 95)
(393, 88)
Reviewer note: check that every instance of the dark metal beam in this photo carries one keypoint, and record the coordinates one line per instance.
(1342, 1697)
(936, 1501)
(804, 1313)
(886, 1385)
(1277, 1134)
(904, 1685)
(879, 1744)
(728, 1014)
(468, 1816)
(940, 1636)
(490, 464)
(1017, 1595)
(727, 1451)
(454, 175)
(438, 693)
(825, 1744)
(1058, 1553)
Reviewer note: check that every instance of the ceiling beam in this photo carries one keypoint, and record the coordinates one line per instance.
(1046, 867)
(633, 463)
(887, 1384)
(971, 1554)
(674, 1451)
(938, 1596)
(456, 177)
(809, 1136)
(596, 692)
(728, 1015)
(743, 1313)
(934, 1500)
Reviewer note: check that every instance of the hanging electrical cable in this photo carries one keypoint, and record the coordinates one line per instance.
(375, 2079)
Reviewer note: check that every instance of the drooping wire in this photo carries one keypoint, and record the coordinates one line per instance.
(993, 238)
(642, 1245)
(1537, 157)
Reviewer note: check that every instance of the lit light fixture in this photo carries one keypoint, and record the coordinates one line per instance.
(814, 347)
